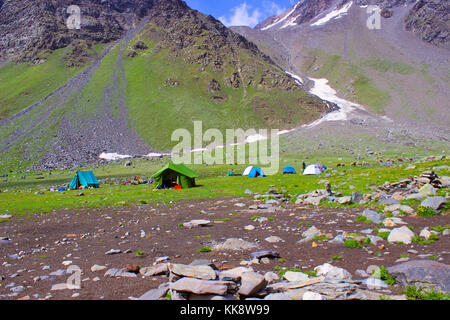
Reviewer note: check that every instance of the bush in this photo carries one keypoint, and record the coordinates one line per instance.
(382, 274)
(426, 212)
(352, 243)
(413, 293)
(384, 234)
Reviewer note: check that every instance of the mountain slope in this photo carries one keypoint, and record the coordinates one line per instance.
(391, 71)
(138, 70)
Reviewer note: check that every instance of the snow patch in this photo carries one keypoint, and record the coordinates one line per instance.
(114, 156)
(278, 21)
(298, 79)
(335, 14)
(327, 93)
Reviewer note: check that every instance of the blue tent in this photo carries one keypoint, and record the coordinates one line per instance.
(289, 170)
(256, 172)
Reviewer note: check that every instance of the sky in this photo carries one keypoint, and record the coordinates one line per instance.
(241, 12)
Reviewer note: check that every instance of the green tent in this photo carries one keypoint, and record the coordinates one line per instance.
(175, 174)
(84, 179)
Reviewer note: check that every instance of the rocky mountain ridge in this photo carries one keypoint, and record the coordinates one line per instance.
(428, 19)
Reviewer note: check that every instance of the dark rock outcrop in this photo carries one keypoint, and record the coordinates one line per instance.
(430, 20)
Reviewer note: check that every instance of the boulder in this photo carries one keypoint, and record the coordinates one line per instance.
(331, 272)
(344, 200)
(156, 294)
(198, 286)
(422, 273)
(403, 234)
(375, 217)
(251, 283)
(196, 223)
(155, 270)
(199, 271)
(234, 244)
(310, 234)
(233, 274)
(357, 197)
(434, 203)
(295, 276)
(263, 254)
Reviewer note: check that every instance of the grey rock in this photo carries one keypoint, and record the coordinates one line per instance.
(196, 223)
(233, 274)
(309, 234)
(403, 234)
(423, 273)
(273, 239)
(155, 294)
(251, 283)
(198, 286)
(375, 217)
(332, 273)
(113, 251)
(357, 197)
(155, 270)
(339, 239)
(277, 296)
(264, 253)
(292, 276)
(434, 203)
(59, 273)
(234, 244)
(199, 271)
(344, 200)
(388, 201)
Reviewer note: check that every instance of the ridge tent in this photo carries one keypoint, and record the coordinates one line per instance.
(256, 172)
(312, 169)
(175, 174)
(247, 171)
(85, 179)
(289, 170)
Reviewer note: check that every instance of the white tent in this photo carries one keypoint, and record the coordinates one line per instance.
(312, 169)
(247, 171)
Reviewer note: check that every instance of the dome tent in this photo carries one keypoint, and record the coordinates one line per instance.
(312, 169)
(247, 171)
(289, 170)
(256, 172)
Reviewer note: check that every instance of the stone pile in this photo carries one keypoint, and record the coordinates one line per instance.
(201, 280)
(427, 180)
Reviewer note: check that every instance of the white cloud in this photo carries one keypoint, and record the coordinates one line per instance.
(242, 16)
(273, 8)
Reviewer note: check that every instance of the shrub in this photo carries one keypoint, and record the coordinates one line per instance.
(336, 258)
(382, 274)
(426, 212)
(205, 249)
(353, 243)
(440, 228)
(419, 240)
(413, 293)
(384, 234)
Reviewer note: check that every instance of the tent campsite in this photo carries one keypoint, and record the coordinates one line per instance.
(84, 179)
(247, 171)
(289, 170)
(175, 175)
(313, 169)
(256, 172)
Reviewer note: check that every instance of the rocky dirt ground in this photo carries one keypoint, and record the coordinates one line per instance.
(38, 250)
